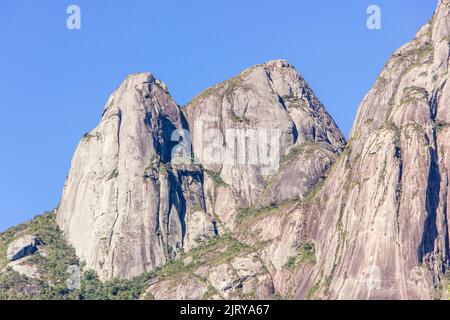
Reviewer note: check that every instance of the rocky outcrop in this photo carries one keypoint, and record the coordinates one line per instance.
(24, 269)
(263, 137)
(380, 221)
(242, 277)
(125, 205)
(377, 227)
(134, 198)
(18, 253)
(252, 198)
(22, 247)
(186, 287)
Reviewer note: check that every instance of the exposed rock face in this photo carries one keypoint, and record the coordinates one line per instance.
(124, 206)
(244, 277)
(308, 219)
(30, 271)
(185, 288)
(270, 112)
(381, 220)
(18, 253)
(378, 226)
(128, 208)
(22, 247)
(271, 96)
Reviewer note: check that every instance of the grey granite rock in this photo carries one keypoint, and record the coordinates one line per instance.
(22, 247)
(273, 99)
(380, 221)
(124, 207)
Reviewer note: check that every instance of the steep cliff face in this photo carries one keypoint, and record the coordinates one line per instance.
(128, 206)
(124, 207)
(272, 202)
(377, 228)
(254, 199)
(380, 222)
(263, 137)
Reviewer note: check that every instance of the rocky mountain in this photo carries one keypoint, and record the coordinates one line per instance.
(265, 103)
(251, 192)
(128, 207)
(381, 224)
(124, 207)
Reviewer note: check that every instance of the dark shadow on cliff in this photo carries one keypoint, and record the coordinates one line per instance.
(430, 231)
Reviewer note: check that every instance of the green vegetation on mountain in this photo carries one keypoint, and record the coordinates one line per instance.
(55, 257)
(53, 260)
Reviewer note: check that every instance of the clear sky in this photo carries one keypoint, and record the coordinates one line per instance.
(55, 81)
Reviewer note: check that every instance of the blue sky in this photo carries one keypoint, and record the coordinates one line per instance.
(54, 81)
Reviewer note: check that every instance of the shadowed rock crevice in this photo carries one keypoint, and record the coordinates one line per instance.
(430, 229)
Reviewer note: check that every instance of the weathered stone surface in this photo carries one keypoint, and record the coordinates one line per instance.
(30, 271)
(380, 220)
(124, 207)
(244, 277)
(278, 234)
(187, 287)
(128, 208)
(271, 96)
(22, 247)
(374, 217)
(304, 168)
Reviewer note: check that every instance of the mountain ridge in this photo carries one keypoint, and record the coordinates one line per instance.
(310, 216)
